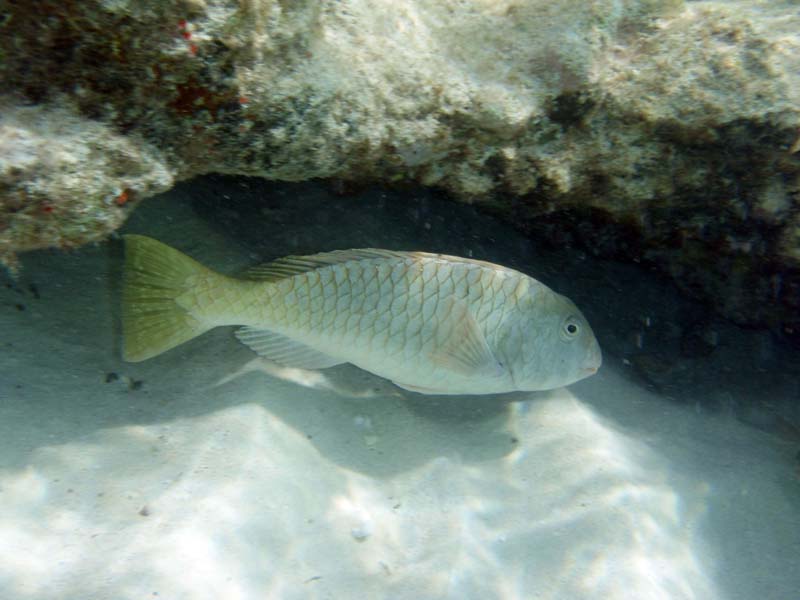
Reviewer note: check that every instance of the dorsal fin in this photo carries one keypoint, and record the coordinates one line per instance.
(292, 265)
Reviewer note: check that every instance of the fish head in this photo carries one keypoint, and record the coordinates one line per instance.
(548, 343)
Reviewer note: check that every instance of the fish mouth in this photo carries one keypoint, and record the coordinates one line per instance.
(595, 360)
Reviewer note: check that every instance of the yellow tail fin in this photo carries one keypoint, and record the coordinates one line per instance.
(155, 276)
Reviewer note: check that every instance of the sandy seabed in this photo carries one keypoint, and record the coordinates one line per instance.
(205, 474)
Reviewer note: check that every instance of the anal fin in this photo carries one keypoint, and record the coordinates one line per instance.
(284, 350)
(418, 389)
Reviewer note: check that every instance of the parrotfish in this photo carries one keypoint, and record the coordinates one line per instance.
(430, 323)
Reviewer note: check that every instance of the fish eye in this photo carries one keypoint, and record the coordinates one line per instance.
(570, 328)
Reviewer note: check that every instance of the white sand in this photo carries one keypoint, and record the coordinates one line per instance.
(338, 485)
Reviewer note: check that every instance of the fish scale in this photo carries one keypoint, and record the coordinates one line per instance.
(431, 323)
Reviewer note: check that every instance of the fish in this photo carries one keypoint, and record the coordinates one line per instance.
(430, 323)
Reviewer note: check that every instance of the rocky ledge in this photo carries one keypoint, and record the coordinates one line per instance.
(651, 130)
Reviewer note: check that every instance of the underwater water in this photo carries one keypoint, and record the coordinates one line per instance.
(207, 473)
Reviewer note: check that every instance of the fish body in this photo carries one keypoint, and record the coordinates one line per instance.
(430, 323)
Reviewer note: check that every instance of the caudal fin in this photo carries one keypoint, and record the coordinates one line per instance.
(152, 320)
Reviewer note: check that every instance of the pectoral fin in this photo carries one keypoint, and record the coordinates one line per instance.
(465, 350)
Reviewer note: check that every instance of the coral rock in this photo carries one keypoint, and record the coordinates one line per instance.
(651, 130)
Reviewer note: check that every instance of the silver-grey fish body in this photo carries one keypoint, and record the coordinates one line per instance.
(430, 323)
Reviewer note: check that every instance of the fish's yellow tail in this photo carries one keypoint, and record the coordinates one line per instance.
(153, 319)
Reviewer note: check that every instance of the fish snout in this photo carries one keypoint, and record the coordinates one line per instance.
(593, 360)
